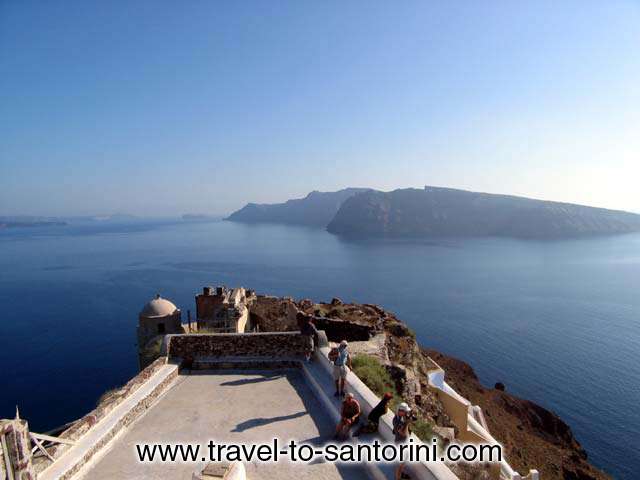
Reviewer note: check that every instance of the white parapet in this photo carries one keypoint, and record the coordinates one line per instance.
(96, 440)
(368, 400)
(473, 423)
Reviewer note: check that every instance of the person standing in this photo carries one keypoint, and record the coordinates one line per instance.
(310, 332)
(341, 366)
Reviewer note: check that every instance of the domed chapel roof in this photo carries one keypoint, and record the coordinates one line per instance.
(158, 307)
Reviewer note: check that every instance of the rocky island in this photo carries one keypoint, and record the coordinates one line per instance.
(30, 222)
(317, 209)
(435, 211)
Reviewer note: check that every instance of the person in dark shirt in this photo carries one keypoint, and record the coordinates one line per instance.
(375, 414)
(310, 332)
(380, 409)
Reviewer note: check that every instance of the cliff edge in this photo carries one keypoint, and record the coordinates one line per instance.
(533, 437)
(315, 210)
(435, 211)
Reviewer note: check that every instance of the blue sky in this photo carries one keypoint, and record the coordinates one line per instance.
(153, 107)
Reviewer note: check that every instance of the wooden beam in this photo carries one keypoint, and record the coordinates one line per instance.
(40, 447)
(61, 428)
(41, 436)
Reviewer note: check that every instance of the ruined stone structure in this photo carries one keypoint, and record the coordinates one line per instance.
(98, 446)
(15, 450)
(223, 310)
(274, 314)
(158, 317)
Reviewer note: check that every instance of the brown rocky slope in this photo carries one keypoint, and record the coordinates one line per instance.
(532, 436)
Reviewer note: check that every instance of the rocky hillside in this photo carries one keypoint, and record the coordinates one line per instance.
(316, 209)
(436, 211)
(532, 436)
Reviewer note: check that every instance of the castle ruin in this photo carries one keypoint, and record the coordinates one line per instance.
(218, 360)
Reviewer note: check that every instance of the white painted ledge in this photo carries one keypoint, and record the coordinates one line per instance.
(368, 400)
(82, 450)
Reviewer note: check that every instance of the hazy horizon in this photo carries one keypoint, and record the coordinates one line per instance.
(156, 110)
(224, 214)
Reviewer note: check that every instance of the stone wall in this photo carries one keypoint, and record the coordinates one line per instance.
(338, 329)
(149, 327)
(273, 314)
(3, 468)
(272, 344)
(15, 436)
(106, 404)
(208, 302)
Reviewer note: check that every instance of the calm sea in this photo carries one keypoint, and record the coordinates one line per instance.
(556, 322)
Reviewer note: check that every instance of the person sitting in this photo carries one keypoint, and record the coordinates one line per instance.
(402, 432)
(349, 416)
(373, 419)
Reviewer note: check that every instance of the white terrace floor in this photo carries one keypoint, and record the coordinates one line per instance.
(226, 407)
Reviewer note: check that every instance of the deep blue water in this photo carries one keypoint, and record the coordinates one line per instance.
(557, 322)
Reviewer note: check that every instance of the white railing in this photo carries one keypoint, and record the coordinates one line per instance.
(368, 400)
(474, 420)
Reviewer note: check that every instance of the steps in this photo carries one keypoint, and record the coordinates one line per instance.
(97, 438)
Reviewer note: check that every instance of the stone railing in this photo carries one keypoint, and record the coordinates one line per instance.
(207, 345)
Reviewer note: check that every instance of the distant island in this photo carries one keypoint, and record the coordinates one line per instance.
(30, 221)
(316, 209)
(24, 221)
(436, 211)
(31, 224)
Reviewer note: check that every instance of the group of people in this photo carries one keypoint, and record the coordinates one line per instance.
(351, 411)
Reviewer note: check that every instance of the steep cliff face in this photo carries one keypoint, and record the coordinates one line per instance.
(316, 209)
(436, 211)
(533, 436)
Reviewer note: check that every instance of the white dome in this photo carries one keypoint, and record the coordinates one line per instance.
(158, 307)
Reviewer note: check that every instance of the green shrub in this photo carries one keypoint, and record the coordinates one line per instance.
(422, 429)
(375, 376)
